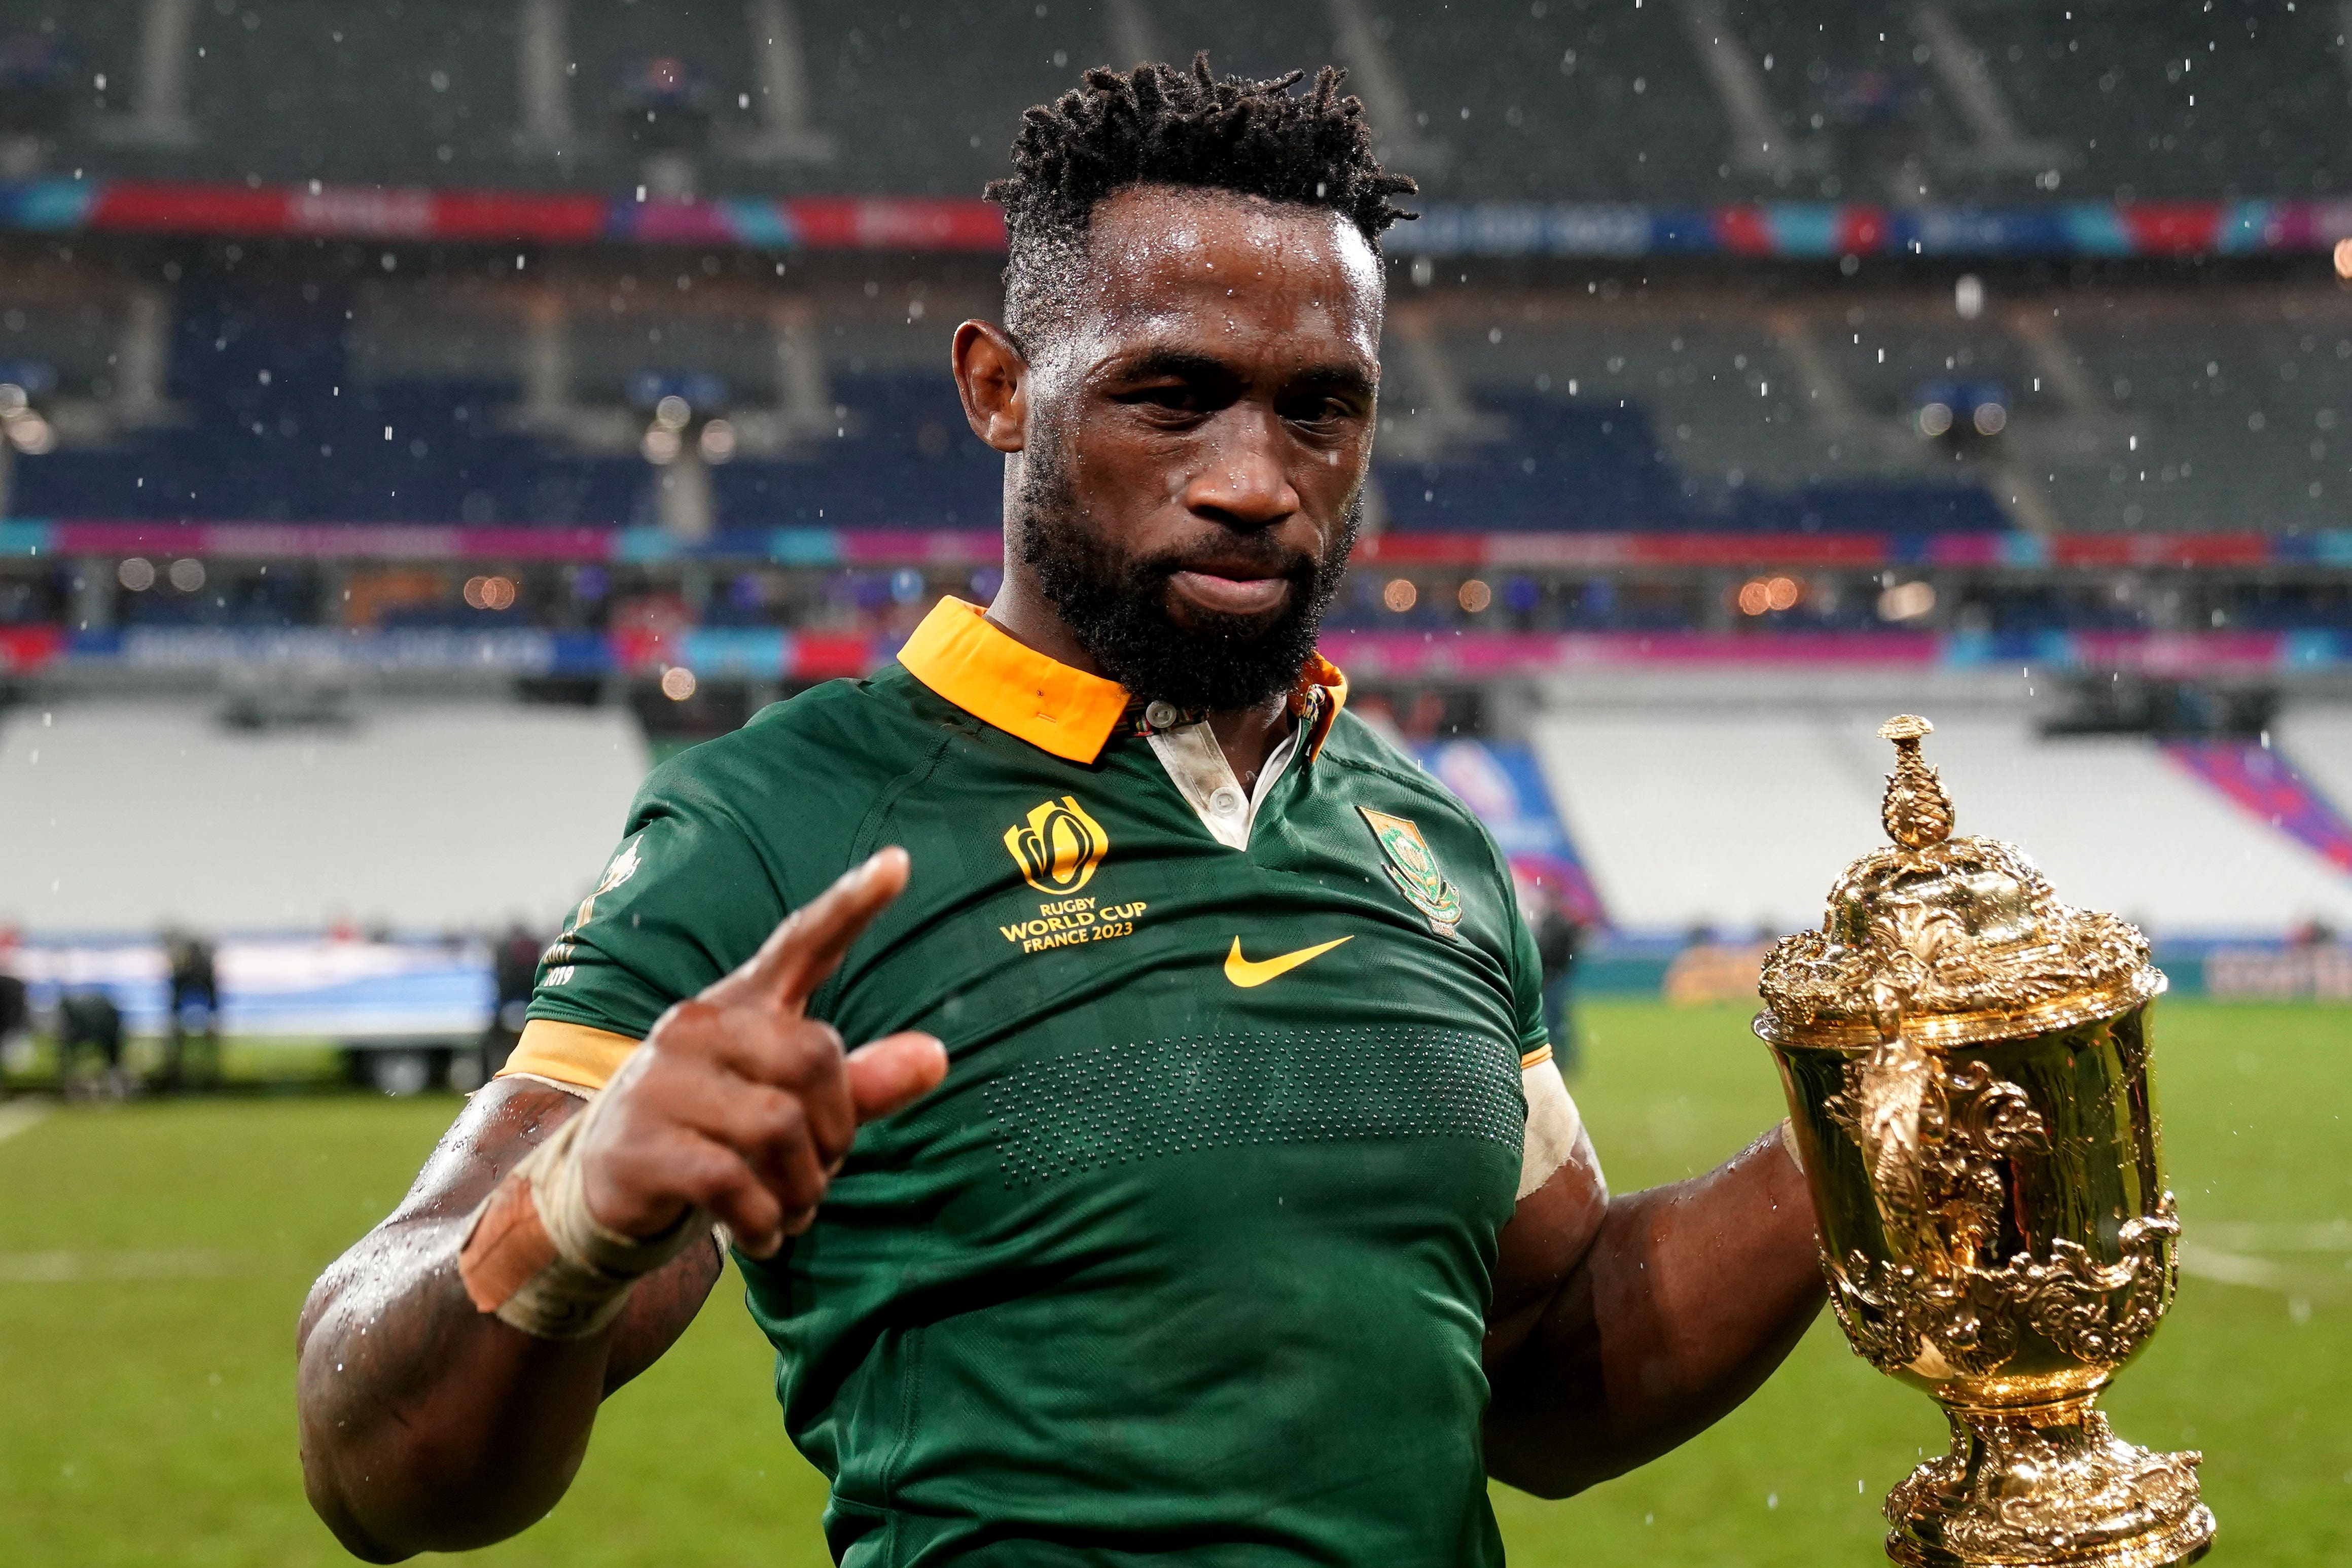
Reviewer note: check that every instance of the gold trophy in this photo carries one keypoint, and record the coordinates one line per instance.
(1966, 1060)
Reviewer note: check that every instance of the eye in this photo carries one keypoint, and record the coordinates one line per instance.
(1319, 412)
(1176, 397)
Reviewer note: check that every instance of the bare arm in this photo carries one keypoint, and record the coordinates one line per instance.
(431, 1425)
(427, 1424)
(1624, 1326)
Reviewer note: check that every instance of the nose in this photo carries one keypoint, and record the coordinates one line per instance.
(1244, 483)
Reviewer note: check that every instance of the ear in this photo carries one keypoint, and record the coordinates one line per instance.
(992, 377)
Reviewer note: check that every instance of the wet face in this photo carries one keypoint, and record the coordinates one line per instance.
(1194, 437)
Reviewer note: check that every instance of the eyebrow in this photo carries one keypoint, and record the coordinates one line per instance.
(1187, 364)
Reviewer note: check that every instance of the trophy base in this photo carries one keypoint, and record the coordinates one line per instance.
(2047, 1486)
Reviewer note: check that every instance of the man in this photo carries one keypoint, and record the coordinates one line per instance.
(90, 1018)
(1559, 938)
(514, 971)
(194, 986)
(1206, 1191)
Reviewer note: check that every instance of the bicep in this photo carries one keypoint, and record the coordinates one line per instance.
(1563, 1200)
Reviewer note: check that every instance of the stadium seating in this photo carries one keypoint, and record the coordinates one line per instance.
(909, 460)
(1690, 411)
(1566, 100)
(287, 412)
(1689, 417)
(1741, 818)
(428, 818)
(2316, 739)
(2240, 414)
(2170, 103)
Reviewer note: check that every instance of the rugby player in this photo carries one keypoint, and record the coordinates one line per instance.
(1206, 1191)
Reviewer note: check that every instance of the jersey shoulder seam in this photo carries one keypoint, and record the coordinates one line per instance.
(1419, 783)
(868, 829)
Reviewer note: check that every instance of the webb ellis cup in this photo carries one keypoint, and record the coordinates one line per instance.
(1967, 1065)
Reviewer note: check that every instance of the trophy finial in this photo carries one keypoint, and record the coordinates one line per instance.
(1917, 812)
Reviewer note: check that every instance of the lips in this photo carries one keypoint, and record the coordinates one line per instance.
(1229, 594)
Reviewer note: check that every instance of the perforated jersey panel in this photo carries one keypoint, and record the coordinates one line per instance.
(1088, 1110)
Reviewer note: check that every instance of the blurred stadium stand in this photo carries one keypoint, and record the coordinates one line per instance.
(1681, 101)
(1781, 799)
(2317, 739)
(278, 393)
(593, 352)
(216, 397)
(427, 817)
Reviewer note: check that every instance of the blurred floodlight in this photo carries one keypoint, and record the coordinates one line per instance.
(187, 575)
(1907, 602)
(677, 683)
(717, 442)
(2344, 258)
(673, 412)
(1989, 418)
(1935, 418)
(13, 399)
(30, 434)
(138, 573)
(1754, 597)
(1783, 594)
(1474, 596)
(1969, 296)
(1400, 595)
(490, 593)
(661, 444)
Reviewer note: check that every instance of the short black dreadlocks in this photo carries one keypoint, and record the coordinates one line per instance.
(1157, 125)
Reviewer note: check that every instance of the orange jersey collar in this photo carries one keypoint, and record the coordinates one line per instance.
(997, 678)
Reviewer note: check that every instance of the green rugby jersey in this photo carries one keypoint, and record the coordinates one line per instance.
(1191, 1253)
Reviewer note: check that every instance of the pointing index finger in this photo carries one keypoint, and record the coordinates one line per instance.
(808, 947)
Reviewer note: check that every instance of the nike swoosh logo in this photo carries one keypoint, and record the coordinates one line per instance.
(1245, 973)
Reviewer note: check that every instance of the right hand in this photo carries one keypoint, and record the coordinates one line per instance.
(740, 1103)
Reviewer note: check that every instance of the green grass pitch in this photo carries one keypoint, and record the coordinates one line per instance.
(152, 1259)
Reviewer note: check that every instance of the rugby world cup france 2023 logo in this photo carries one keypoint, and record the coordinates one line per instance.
(1058, 847)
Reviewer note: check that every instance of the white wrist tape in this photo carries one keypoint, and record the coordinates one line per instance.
(536, 1257)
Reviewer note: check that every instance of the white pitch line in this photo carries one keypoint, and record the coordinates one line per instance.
(15, 1119)
(64, 1267)
(2231, 1267)
(2276, 1235)
(2259, 1274)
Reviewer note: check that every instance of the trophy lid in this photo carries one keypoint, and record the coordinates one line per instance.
(1945, 940)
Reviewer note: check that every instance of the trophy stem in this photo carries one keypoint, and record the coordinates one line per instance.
(2047, 1486)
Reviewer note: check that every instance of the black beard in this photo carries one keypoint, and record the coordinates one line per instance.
(1116, 604)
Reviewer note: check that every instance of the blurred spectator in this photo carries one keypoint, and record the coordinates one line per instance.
(194, 988)
(1557, 939)
(14, 1015)
(667, 103)
(515, 964)
(37, 81)
(665, 110)
(1709, 970)
(1867, 97)
(91, 1019)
